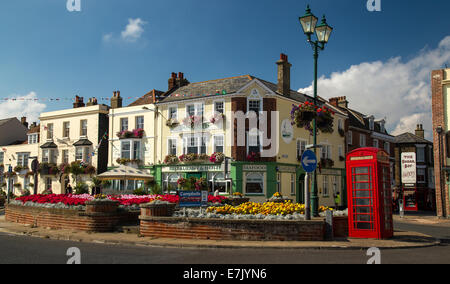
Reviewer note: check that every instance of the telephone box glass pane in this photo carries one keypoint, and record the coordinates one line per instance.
(362, 198)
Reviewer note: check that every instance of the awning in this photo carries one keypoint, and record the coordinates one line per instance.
(49, 145)
(83, 142)
(125, 173)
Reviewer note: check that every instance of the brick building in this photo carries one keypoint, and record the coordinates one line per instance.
(365, 131)
(440, 88)
(421, 194)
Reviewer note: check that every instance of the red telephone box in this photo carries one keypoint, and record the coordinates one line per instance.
(369, 194)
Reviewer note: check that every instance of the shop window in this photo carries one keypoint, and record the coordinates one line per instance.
(217, 182)
(254, 184)
(170, 182)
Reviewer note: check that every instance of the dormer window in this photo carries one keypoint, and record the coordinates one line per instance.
(382, 129)
(33, 138)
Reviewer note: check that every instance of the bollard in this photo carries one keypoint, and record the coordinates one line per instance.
(329, 225)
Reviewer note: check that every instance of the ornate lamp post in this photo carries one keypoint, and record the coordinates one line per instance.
(323, 32)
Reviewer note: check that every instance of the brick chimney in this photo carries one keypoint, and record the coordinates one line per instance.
(116, 100)
(33, 125)
(284, 75)
(173, 81)
(23, 120)
(420, 132)
(78, 102)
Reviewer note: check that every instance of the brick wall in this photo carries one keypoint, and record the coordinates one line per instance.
(247, 230)
(67, 219)
(438, 111)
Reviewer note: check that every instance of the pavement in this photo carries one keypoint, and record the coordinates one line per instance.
(130, 236)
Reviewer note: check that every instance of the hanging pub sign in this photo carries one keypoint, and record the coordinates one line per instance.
(408, 164)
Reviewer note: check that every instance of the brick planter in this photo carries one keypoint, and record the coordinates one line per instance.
(101, 206)
(218, 229)
(157, 210)
(66, 218)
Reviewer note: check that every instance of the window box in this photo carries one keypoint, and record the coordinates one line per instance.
(172, 123)
(171, 159)
(125, 161)
(326, 163)
(126, 134)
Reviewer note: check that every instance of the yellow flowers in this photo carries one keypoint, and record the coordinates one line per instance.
(277, 194)
(267, 208)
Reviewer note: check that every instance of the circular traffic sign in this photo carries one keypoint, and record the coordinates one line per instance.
(309, 161)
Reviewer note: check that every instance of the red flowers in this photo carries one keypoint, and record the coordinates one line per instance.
(75, 200)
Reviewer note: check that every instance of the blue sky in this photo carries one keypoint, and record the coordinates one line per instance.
(49, 52)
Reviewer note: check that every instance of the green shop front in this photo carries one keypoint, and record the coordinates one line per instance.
(258, 181)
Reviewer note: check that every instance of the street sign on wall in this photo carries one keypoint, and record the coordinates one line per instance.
(408, 164)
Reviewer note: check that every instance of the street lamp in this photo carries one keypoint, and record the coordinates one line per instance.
(323, 32)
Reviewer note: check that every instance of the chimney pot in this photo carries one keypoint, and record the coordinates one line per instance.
(284, 75)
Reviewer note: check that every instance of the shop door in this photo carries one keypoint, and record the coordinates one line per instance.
(362, 201)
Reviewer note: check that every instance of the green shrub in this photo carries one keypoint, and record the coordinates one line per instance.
(156, 189)
(140, 191)
(81, 188)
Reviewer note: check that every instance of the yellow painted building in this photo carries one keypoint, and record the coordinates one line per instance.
(200, 119)
(72, 135)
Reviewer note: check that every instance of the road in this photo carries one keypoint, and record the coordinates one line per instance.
(30, 250)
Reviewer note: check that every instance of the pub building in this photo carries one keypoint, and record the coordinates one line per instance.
(196, 121)
(414, 174)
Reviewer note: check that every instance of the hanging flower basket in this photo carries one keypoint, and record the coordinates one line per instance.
(302, 114)
(172, 123)
(325, 120)
(217, 158)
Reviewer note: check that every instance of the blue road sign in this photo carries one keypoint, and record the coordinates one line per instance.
(309, 161)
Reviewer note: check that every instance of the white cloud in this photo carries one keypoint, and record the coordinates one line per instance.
(27, 106)
(396, 90)
(132, 33)
(133, 30)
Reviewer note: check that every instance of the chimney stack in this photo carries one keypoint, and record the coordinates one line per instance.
(33, 125)
(116, 100)
(284, 75)
(339, 102)
(173, 81)
(78, 102)
(92, 102)
(420, 132)
(23, 120)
